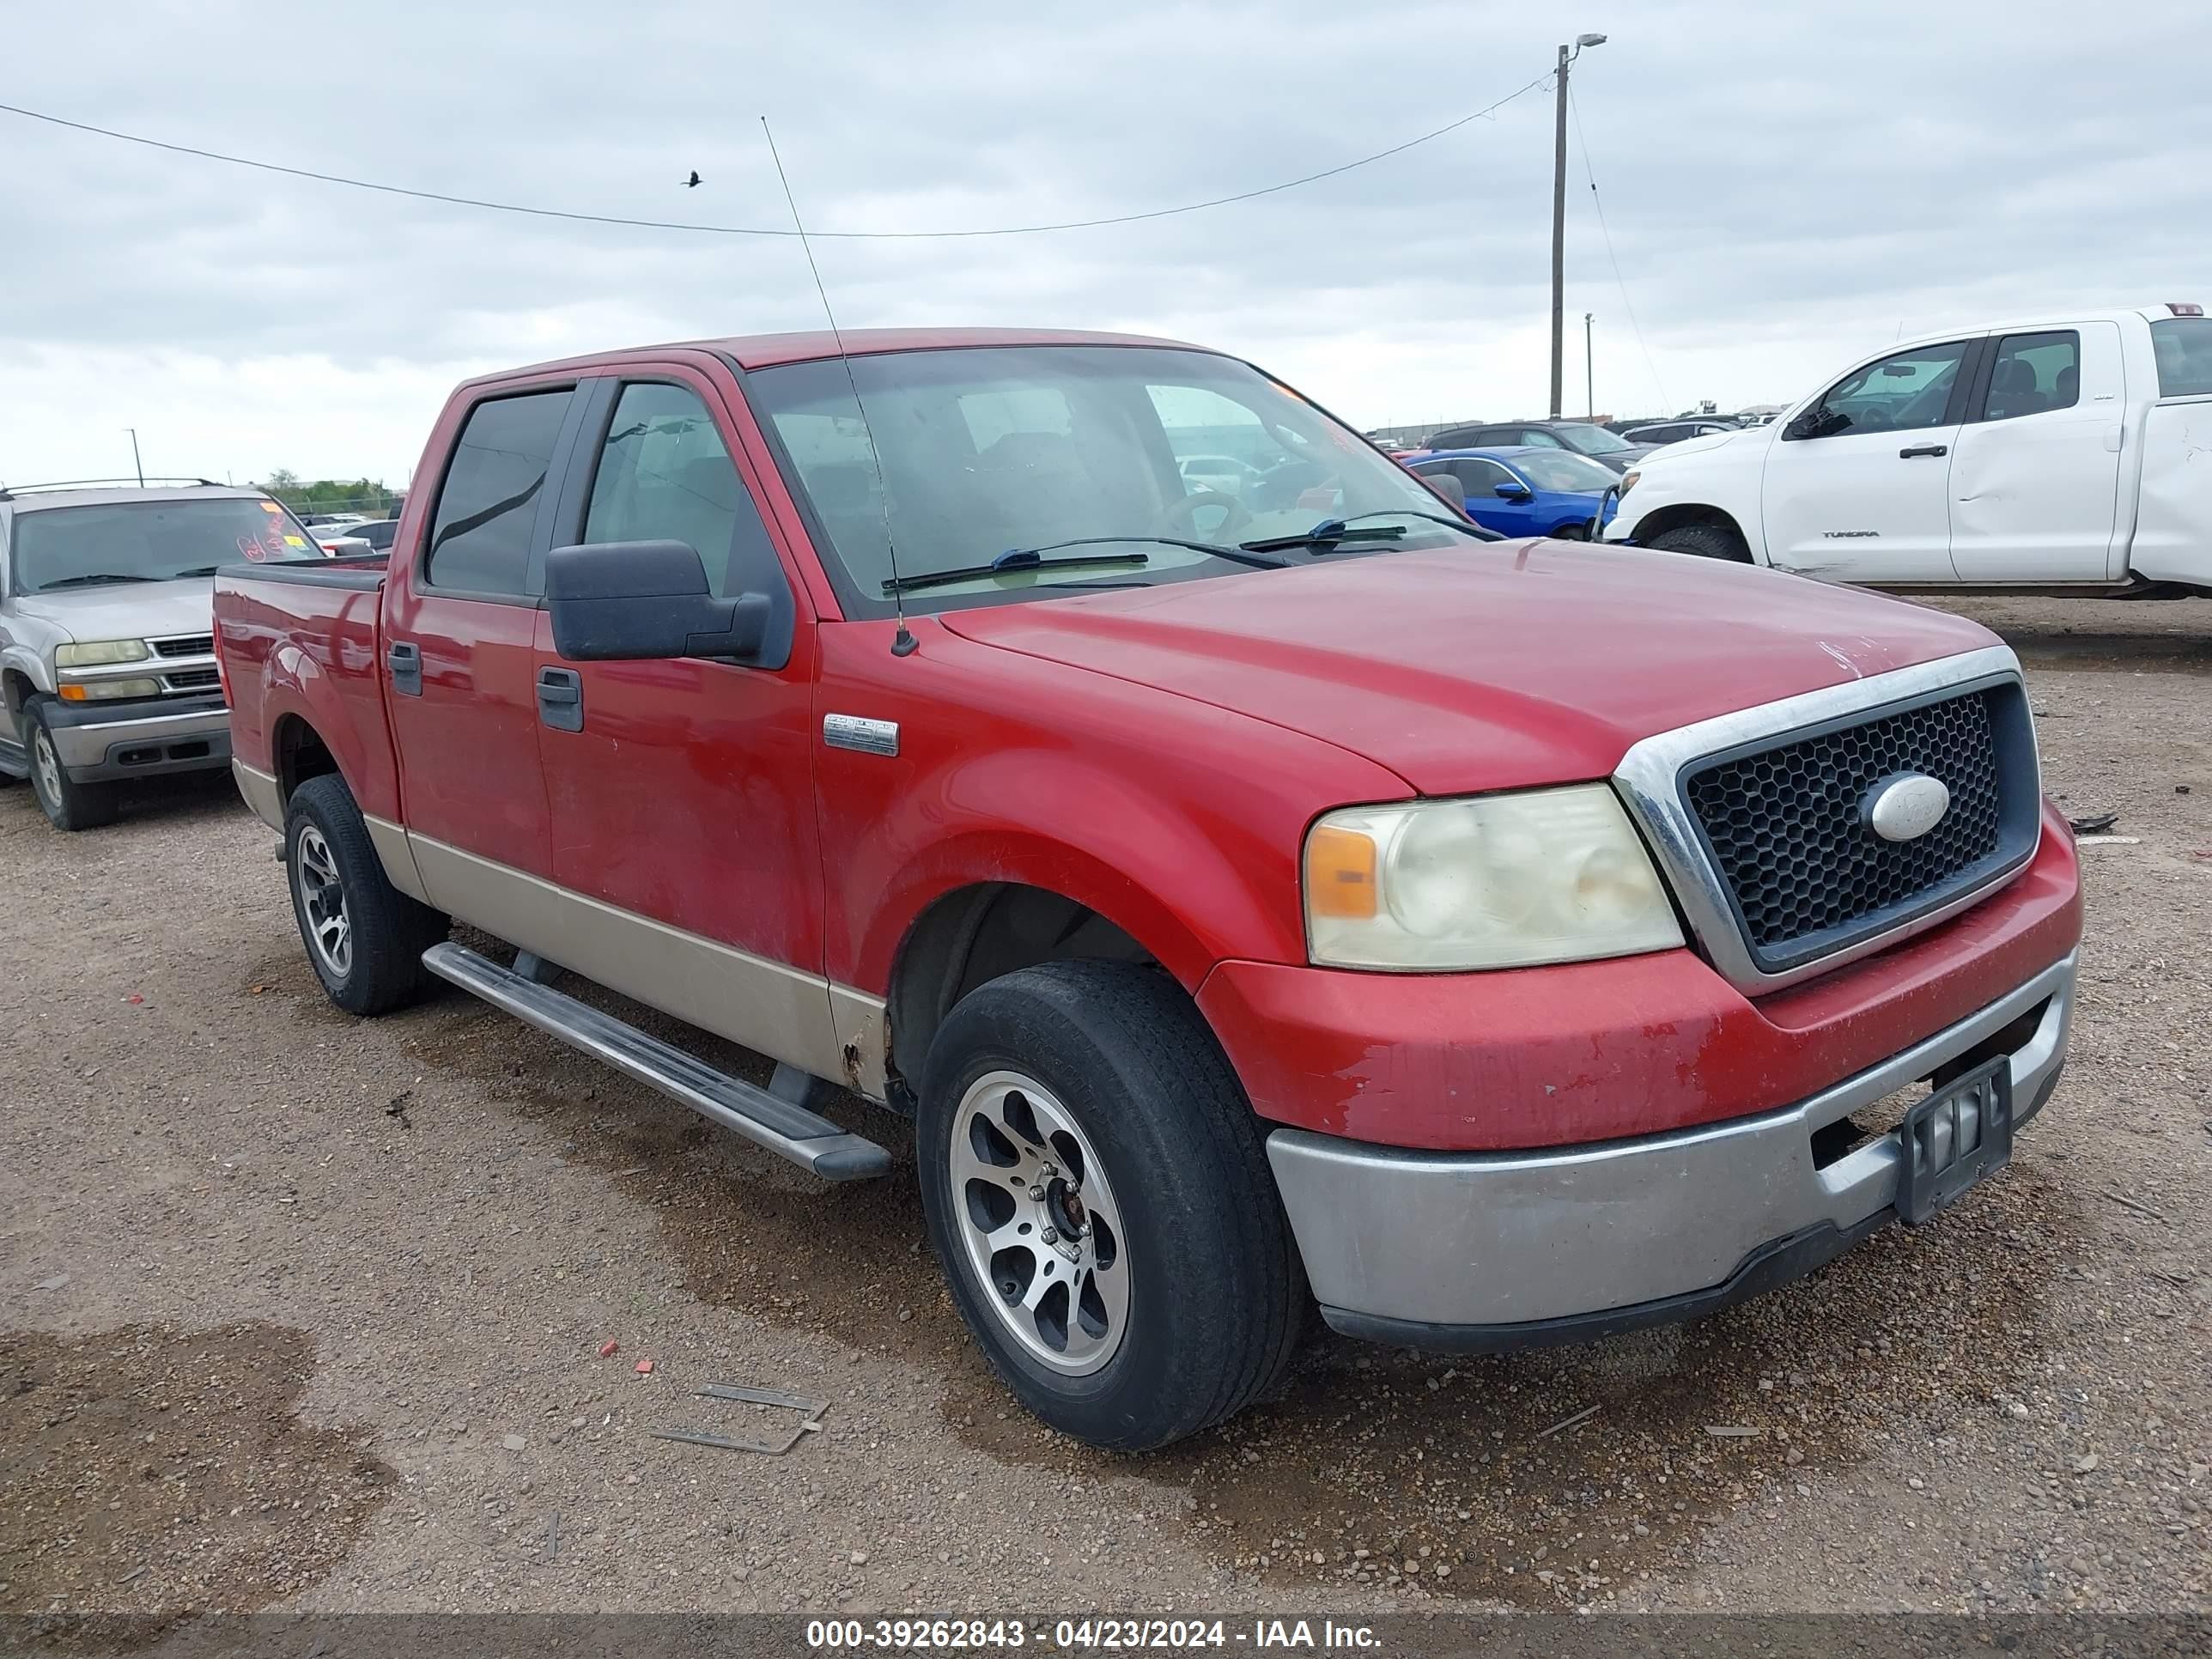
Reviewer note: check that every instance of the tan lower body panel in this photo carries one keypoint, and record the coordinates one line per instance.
(397, 852)
(800, 1019)
(263, 795)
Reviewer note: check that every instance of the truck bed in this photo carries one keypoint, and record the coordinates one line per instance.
(2173, 518)
(300, 638)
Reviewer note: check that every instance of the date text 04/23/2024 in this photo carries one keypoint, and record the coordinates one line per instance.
(1089, 1634)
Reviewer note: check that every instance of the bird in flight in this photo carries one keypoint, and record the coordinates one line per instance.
(692, 183)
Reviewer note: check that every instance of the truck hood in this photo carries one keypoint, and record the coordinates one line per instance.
(126, 610)
(1710, 440)
(1497, 666)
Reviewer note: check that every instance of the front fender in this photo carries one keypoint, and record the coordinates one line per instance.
(30, 664)
(1141, 863)
(1179, 822)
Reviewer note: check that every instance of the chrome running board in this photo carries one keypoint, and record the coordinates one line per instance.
(790, 1131)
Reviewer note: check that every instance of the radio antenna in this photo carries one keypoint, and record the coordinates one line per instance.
(903, 643)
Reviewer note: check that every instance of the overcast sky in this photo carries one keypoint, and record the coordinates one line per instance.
(1785, 187)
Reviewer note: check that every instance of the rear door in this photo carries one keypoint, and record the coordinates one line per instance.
(1858, 487)
(462, 632)
(2035, 476)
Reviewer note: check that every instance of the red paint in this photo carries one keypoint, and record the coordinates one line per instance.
(1486, 667)
(1157, 755)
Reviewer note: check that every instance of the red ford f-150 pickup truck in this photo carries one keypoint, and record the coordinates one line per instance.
(1257, 892)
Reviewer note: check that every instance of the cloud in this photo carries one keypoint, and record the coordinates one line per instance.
(1783, 187)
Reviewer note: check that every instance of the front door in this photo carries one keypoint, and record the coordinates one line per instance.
(1856, 488)
(1519, 514)
(681, 792)
(2035, 481)
(460, 645)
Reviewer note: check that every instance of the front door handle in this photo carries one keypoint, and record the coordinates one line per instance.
(1922, 449)
(561, 699)
(405, 662)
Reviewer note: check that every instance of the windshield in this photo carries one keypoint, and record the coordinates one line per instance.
(2184, 348)
(988, 450)
(1589, 440)
(58, 547)
(1555, 469)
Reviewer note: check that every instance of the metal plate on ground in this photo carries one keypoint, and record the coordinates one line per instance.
(809, 1414)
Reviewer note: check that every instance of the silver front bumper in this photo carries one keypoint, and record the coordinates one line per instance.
(137, 743)
(1395, 1241)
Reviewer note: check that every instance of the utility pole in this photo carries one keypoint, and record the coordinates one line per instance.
(1567, 57)
(1589, 372)
(136, 465)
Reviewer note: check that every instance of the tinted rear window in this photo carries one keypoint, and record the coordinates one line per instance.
(2184, 345)
(480, 540)
(121, 543)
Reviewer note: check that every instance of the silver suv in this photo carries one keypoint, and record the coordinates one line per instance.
(107, 632)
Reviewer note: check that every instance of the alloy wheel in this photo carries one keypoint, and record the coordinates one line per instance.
(1039, 1222)
(322, 903)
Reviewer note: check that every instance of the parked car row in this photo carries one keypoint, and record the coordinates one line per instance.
(1253, 887)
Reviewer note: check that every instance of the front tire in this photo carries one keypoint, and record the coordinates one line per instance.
(365, 938)
(67, 804)
(1704, 541)
(1098, 1196)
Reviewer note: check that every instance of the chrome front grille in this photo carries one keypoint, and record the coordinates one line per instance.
(1758, 819)
(1789, 832)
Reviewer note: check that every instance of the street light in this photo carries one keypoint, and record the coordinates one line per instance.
(1567, 57)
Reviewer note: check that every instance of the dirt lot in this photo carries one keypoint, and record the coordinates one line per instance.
(305, 1310)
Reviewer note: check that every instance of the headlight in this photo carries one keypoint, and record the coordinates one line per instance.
(95, 653)
(1628, 481)
(108, 690)
(1492, 881)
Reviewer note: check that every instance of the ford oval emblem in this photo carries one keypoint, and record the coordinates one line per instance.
(1905, 805)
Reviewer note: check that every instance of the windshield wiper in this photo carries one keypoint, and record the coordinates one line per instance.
(93, 581)
(1323, 545)
(1327, 533)
(1032, 558)
(197, 570)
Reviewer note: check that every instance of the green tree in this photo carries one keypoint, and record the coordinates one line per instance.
(367, 495)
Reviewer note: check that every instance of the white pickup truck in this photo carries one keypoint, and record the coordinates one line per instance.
(2071, 454)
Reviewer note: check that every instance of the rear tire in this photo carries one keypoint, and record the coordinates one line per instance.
(1704, 541)
(364, 938)
(1092, 1093)
(68, 804)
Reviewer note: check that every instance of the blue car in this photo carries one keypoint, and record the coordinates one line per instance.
(1529, 491)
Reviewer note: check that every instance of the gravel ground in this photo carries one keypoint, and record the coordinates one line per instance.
(308, 1311)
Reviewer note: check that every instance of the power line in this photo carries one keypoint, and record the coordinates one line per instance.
(758, 230)
(1583, 145)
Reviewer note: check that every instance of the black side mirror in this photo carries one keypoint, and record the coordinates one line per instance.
(1510, 492)
(633, 601)
(1816, 423)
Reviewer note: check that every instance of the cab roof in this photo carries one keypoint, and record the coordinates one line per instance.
(751, 351)
(34, 498)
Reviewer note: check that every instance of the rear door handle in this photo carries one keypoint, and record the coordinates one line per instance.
(1922, 449)
(405, 662)
(561, 699)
